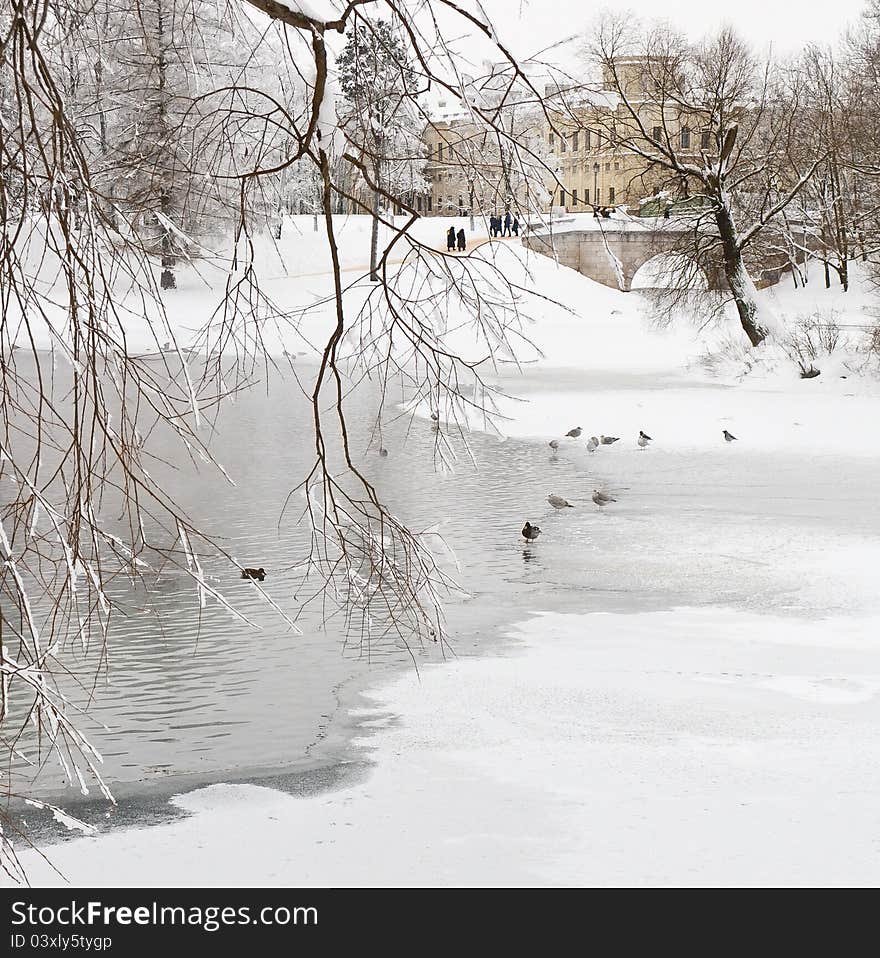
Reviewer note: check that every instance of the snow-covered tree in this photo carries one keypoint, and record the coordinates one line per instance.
(380, 86)
(707, 124)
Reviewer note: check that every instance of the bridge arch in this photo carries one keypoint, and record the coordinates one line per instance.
(658, 271)
(612, 255)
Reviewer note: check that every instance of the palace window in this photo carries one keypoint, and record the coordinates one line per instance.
(705, 139)
(562, 144)
(551, 138)
(574, 141)
(586, 197)
(685, 138)
(430, 204)
(657, 134)
(611, 194)
(574, 197)
(439, 151)
(587, 139)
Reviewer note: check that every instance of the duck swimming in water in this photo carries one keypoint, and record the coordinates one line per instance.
(254, 573)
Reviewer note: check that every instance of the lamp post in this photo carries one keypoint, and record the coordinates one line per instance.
(595, 184)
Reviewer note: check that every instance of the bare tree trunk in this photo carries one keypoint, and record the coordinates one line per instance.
(741, 286)
(374, 241)
(167, 280)
(100, 97)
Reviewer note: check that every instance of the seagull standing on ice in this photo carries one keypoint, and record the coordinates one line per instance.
(530, 532)
(607, 440)
(593, 444)
(558, 502)
(644, 439)
(553, 444)
(728, 436)
(574, 433)
(602, 498)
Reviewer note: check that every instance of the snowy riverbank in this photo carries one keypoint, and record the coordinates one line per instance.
(683, 747)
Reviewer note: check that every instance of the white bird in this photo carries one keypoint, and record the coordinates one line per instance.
(602, 498)
(593, 444)
(558, 502)
(607, 440)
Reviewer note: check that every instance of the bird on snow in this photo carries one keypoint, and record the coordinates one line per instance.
(530, 532)
(602, 498)
(593, 444)
(643, 440)
(728, 436)
(254, 573)
(558, 502)
(607, 440)
(574, 433)
(553, 444)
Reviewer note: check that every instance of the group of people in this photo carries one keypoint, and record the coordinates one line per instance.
(509, 226)
(498, 226)
(455, 240)
(602, 211)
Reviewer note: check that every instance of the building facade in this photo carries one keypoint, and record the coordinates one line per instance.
(589, 133)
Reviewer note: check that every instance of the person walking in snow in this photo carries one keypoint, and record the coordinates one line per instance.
(515, 225)
(461, 240)
(507, 222)
(450, 239)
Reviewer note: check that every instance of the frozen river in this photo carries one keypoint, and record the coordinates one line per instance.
(185, 698)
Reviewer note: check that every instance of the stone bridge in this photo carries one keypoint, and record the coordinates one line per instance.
(614, 253)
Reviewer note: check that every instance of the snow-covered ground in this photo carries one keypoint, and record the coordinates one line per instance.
(729, 738)
(679, 747)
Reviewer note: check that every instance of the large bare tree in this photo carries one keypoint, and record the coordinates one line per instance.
(78, 426)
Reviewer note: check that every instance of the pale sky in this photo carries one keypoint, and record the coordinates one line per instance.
(530, 24)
